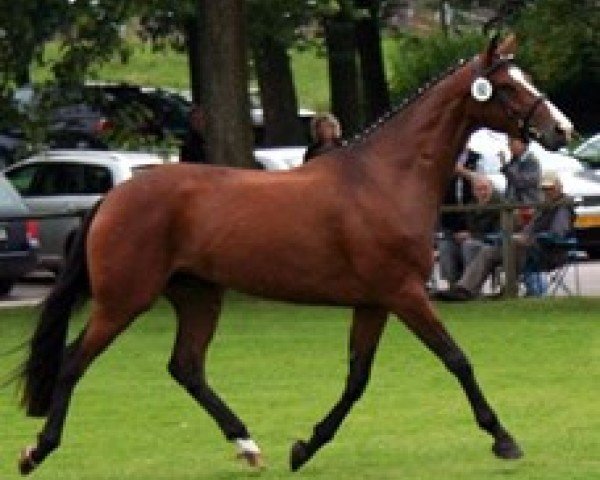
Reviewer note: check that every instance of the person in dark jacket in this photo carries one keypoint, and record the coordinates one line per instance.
(326, 134)
(522, 173)
(193, 149)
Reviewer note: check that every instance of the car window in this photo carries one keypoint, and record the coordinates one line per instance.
(54, 179)
(9, 198)
(22, 178)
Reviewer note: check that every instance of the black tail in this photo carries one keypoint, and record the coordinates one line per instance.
(47, 346)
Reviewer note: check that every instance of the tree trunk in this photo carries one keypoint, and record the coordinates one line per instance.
(343, 73)
(279, 102)
(375, 87)
(224, 89)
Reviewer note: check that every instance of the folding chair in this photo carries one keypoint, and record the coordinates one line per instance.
(559, 258)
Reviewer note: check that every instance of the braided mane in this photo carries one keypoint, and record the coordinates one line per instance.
(406, 102)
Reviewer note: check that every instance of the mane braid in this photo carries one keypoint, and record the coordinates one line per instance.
(405, 103)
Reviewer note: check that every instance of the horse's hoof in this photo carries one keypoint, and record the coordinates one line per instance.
(507, 449)
(255, 460)
(299, 455)
(26, 462)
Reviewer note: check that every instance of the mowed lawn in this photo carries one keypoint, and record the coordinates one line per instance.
(281, 367)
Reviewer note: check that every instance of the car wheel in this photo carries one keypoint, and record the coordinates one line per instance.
(5, 287)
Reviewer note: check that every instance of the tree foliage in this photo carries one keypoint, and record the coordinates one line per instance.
(419, 58)
(560, 45)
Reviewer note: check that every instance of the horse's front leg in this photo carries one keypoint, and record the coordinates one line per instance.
(416, 312)
(367, 326)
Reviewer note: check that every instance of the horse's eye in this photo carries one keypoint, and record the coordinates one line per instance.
(506, 89)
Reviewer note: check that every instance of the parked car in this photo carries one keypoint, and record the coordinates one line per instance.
(279, 158)
(579, 182)
(69, 182)
(102, 115)
(18, 238)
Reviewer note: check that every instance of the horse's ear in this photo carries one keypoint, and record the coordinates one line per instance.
(490, 52)
(508, 46)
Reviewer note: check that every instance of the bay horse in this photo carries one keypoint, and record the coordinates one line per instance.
(353, 228)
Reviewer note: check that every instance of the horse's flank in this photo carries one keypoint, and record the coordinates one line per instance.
(257, 232)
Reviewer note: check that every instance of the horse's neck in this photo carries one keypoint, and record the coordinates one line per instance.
(424, 140)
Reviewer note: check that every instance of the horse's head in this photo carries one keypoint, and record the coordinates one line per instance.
(503, 98)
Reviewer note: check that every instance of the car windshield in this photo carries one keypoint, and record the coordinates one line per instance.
(589, 151)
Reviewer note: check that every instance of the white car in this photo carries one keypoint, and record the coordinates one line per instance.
(69, 182)
(279, 158)
(579, 182)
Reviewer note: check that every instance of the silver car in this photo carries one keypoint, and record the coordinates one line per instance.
(66, 183)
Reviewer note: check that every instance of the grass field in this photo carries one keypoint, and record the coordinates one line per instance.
(281, 367)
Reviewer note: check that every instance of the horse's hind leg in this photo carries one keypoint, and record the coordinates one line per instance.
(419, 317)
(367, 326)
(197, 305)
(102, 328)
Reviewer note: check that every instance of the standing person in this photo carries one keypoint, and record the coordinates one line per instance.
(326, 134)
(522, 173)
(193, 148)
(453, 225)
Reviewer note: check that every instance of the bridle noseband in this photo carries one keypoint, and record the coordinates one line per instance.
(496, 94)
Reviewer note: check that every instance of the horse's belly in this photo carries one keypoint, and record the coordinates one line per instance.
(292, 275)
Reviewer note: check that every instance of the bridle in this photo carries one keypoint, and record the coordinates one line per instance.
(496, 94)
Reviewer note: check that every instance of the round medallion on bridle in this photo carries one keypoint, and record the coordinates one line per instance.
(481, 89)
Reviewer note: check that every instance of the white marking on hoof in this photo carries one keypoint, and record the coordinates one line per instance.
(249, 451)
(26, 462)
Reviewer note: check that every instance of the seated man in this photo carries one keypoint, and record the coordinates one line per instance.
(556, 221)
(481, 224)
(465, 243)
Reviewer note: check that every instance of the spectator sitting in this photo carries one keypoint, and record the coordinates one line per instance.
(555, 221)
(193, 149)
(541, 235)
(326, 133)
(478, 226)
(482, 224)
